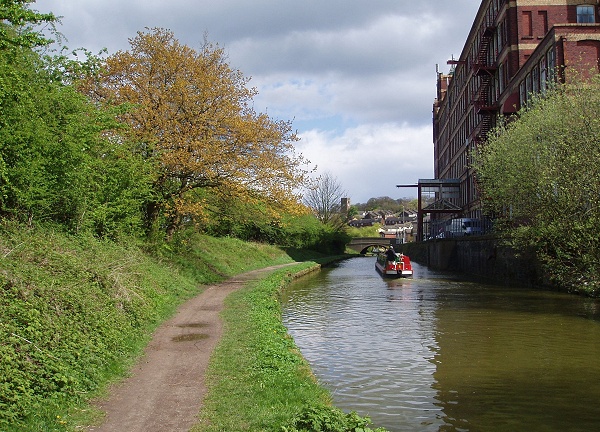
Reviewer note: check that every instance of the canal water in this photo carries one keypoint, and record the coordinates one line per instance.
(436, 353)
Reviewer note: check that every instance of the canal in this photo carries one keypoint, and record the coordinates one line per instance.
(436, 353)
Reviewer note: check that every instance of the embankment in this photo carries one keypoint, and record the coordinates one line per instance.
(76, 311)
(481, 257)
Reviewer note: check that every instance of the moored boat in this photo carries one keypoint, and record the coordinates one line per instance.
(400, 266)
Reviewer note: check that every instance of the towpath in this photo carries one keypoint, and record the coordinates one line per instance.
(165, 389)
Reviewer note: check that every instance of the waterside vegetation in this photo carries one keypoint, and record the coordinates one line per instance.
(115, 206)
(258, 380)
(539, 179)
(77, 311)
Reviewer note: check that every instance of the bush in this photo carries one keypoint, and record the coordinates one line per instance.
(326, 418)
(539, 176)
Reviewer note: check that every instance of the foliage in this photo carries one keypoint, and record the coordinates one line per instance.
(58, 160)
(192, 118)
(389, 204)
(352, 212)
(200, 158)
(324, 199)
(255, 222)
(16, 25)
(257, 378)
(203, 256)
(326, 418)
(75, 310)
(540, 171)
(369, 231)
(306, 232)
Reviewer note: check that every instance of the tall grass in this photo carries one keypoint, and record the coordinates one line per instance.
(76, 311)
(257, 379)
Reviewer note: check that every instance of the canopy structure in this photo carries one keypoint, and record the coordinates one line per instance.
(435, 196)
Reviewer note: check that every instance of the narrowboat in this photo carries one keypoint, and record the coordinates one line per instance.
(399, 267)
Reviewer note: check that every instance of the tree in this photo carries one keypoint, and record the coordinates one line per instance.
(540, 172)
(17, 22)
(58, 159)
(324, 198)
(191, 115)
(384, 203)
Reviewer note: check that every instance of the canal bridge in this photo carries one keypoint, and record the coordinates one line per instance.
(361, 244)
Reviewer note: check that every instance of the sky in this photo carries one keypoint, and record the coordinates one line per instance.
(357, 78)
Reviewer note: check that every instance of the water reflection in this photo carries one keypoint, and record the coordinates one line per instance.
(433, 353)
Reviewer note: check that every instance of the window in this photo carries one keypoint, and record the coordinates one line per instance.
(498, 38)
(543, 75)
(528, 24)
(544, 17)
(551, 62)
(585, 14)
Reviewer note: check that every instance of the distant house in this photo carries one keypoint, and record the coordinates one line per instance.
(388, 233)
(408, 215)
(402, 217)
(372, 215)
(392, 221)
(359, 223)
(402, 233)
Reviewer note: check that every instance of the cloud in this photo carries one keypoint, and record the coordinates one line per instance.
(388, 42)
(357, 78)
(371, 159)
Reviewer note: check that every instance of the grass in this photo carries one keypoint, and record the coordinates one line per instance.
(75, 312)
(257, 378)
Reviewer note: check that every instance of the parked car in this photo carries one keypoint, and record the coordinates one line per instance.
(463, 227)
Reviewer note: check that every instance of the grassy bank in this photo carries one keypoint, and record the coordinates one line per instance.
(258, 381)
(75, 312)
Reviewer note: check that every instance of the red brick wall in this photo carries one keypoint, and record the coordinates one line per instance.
(583, 55)
(533, 23)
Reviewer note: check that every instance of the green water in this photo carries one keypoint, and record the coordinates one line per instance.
(435, 353)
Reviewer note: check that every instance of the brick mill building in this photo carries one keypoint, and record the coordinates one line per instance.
(514, 48)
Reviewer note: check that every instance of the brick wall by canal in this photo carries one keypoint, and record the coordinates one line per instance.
(482, 257)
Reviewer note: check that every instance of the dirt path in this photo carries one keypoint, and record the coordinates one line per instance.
(165, 389)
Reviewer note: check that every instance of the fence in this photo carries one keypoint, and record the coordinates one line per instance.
(459, 227)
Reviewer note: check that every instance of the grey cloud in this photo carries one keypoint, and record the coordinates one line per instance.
(228, 21)
(389, 43)
(331, 65)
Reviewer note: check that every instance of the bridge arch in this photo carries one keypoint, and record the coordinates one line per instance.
(362, 244)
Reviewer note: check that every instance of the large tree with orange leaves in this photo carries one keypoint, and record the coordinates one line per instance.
(191, 115)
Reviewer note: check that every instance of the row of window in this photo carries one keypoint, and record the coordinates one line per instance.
(458, 118)
(536, 81)
(585, 15)
(457, 105)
